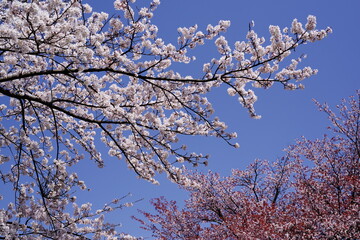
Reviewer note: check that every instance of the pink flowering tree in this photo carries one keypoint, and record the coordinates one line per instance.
(71, 78)
(311, 193)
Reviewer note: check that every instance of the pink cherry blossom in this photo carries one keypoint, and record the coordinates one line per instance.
(311, 193)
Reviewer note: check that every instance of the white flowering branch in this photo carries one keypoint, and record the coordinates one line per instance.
(68, 74)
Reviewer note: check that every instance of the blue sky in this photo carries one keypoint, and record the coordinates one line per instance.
(286, 115)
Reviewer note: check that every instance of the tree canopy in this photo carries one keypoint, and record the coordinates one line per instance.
(311, 193)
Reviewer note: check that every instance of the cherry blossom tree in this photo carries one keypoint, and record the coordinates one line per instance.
(72, 78)
(311, 193)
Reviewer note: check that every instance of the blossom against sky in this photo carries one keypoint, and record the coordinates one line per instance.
(286, 115)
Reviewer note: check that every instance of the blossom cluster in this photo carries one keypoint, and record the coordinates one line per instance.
(71, 77)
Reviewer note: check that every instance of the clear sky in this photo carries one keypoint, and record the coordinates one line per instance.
(286, 115)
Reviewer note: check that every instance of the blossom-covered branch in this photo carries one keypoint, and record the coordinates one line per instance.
(71, 77)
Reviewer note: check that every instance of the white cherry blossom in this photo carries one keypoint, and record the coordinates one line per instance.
(71, 77)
